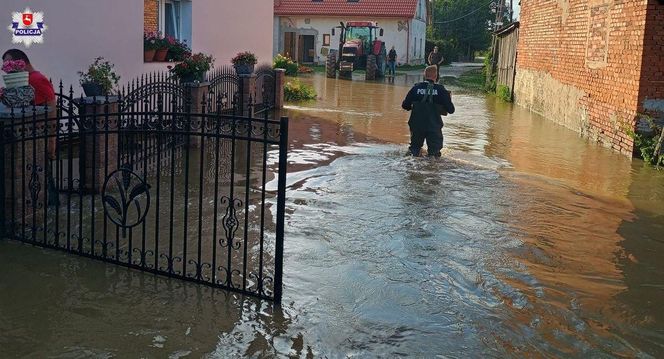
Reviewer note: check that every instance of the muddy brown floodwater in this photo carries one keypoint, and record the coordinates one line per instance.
(523, 240)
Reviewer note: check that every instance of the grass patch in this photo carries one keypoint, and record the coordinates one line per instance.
(503, 92)
(472, 80)
(319, 69)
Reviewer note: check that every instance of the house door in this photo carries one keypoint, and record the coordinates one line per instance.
(307, 50)
(289, 45)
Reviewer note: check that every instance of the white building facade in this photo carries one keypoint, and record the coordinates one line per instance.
(303, 28)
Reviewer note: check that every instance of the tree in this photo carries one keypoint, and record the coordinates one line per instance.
(464, 25)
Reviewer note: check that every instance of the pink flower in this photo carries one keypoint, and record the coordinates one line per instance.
(11, 66)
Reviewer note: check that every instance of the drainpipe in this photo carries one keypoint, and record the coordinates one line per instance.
(408, 42)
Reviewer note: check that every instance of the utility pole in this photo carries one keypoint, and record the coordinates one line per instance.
(499, 8)
(511, 11)
(500, 12)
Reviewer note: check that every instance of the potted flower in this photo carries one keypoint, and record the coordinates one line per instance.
(192, 68)
(150, 46)
(161, 51)
(16, 75)
(244, 63)
(99, 79)
(178, 50)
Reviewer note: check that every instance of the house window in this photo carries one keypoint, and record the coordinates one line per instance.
(326, 39)
(170, 24)
(175, 19)
(415, 47)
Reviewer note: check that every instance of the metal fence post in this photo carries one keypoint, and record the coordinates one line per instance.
(281, 208)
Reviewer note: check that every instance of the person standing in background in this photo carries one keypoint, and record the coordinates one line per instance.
(392, 61)
(436, 59)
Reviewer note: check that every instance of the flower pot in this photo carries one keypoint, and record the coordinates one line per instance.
(92, 89)
(160, 55)
(244, 69)
(16, 79)
(190, 78)
(18, 96)
(148, 55)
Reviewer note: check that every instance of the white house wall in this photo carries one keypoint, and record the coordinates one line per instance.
(396, 32)
(80, 30)
(418, 41)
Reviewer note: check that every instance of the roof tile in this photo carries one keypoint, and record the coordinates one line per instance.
(364, 8)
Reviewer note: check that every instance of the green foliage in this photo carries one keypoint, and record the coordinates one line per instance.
(177, 50)
(283, 62)
(503, 92)
(463, 25)
(490, 85)
(100, 72)
(152, 40)
(645, 145)
(196, 65)
(296, 91)
(244, 58)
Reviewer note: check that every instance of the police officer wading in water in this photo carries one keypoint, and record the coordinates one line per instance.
(427, 102)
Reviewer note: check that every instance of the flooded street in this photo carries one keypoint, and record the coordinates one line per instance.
(523, 240)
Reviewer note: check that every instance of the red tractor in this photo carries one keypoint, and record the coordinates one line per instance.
(359, 49)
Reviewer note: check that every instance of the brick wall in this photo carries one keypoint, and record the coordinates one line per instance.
(579, 63)
(651, 97)
(150, 15)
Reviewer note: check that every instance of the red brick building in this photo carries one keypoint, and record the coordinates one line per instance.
(595, 66)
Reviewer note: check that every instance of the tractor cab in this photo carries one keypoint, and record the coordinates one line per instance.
(359, 49)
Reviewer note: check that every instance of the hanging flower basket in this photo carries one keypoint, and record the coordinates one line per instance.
(99, 79)
(244, 63)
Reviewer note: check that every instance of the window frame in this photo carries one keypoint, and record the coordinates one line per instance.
(327, 40)
(177, 22)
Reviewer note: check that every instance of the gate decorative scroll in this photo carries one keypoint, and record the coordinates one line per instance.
(152, 181)
(265, 89)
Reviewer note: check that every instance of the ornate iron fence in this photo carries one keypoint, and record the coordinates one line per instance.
(151, 180)
(261, 94)
(265, 88)
(225, 82)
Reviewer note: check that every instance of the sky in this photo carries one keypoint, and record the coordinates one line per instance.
(517, 9)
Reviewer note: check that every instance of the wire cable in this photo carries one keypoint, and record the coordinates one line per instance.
(464, 16)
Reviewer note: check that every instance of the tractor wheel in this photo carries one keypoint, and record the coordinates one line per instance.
(331, 65)
(372, 67)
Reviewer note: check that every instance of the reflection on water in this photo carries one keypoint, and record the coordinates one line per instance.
(523, 240)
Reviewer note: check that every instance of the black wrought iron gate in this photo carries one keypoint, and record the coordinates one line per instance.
(153, 181)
